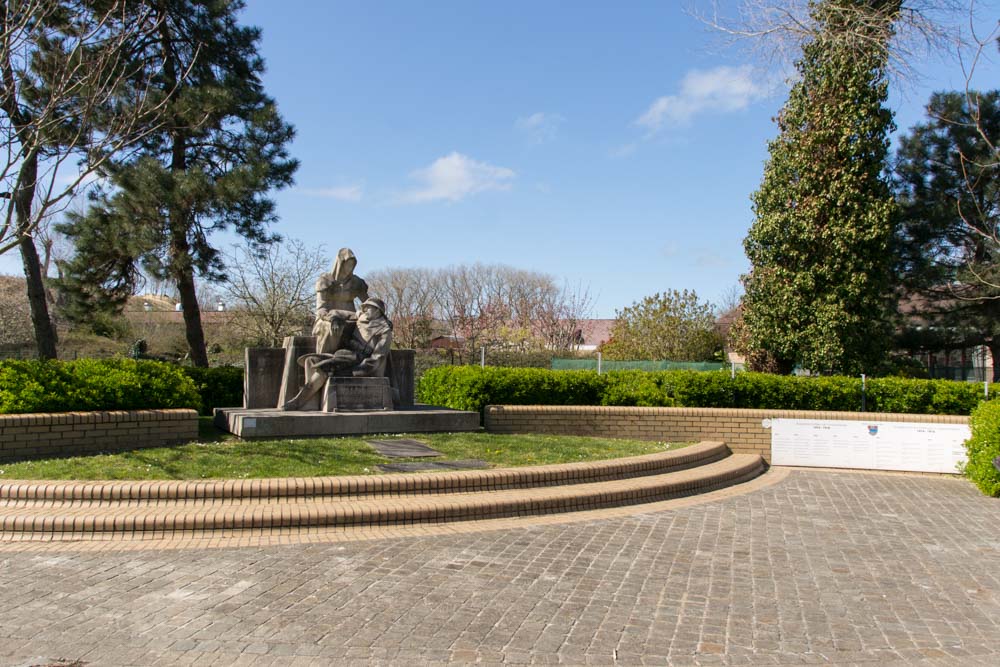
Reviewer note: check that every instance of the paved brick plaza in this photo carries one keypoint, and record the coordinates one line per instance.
(818, 567)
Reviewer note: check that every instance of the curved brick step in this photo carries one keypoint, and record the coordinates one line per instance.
(370, 485)
(48, 517)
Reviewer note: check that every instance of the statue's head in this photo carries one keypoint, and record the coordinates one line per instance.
(371, 305)
(343, 266)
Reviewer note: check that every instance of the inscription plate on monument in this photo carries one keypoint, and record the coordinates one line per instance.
(357, 393)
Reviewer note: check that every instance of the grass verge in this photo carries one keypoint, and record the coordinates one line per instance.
(217, 456)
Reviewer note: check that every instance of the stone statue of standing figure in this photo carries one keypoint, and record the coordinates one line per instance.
(349, 342)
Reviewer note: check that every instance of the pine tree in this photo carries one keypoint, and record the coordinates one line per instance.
(947, 247)
(211, 167)
(817, 293)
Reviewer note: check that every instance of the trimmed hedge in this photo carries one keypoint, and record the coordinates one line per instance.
(93, 384)
(219, 386)
(984, 447)
(473, 388)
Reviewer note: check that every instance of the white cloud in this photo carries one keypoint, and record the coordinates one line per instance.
(350, 193)
(454, 177)
(720, 90)
(540, 126)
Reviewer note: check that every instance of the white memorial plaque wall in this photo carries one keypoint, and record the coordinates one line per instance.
(868, 445)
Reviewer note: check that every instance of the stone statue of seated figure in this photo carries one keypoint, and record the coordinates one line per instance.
(335, 295)
(364, 353)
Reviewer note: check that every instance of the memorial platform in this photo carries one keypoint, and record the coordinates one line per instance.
(273, 423)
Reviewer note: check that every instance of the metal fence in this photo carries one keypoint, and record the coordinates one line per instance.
(961, 373)
(605, 365)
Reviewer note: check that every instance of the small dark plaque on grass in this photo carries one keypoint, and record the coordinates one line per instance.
(417, 466)
(404, 448)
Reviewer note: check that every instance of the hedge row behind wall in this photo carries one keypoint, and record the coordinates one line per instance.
(473, 388)
(93, 385)
(89, 385)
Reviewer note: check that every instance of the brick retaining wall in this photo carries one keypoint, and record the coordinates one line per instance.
(32, 436)
(738, 428)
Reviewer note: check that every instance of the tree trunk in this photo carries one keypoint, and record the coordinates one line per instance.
(181, 264)
(180, 259)
(192, 319)
(994, 347)
(45, 333)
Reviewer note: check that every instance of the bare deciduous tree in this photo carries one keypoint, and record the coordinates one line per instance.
(981, 176)
(773, 31)
(272, 291)
(410, 296)
(486, 305)
(71, 99)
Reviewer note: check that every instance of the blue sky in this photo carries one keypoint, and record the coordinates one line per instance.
(612, 145)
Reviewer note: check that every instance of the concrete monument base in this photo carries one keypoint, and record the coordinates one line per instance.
(274, 423)
(350, 394)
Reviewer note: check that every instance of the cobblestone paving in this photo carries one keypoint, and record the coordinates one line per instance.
(822, 567)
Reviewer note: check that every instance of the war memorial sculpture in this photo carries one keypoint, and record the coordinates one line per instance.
(344, 378)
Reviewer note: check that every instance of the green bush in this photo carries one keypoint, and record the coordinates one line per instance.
(983, 447)
(472, 388)
(219, 386)
(93, 384)
(634, 388)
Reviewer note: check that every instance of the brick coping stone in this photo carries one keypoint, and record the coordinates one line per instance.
(96, 417)
(169, 516)
(368, 485)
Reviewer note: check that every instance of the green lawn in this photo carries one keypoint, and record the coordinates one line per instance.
(217, 456)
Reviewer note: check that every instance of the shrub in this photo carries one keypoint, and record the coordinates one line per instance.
(219, 386)
(93, 384)
(472, 388)
(983, 447)
(635, 388)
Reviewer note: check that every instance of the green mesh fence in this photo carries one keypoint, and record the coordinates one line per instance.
(591, 365)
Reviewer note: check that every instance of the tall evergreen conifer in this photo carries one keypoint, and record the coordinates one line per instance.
(222, 150)
(947, 179)
(817, 293)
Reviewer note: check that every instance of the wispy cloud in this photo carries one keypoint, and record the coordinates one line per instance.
(349, 193)
(720, 90)
(455, 177)
(540, 126)
(710, 259)
(623, 151)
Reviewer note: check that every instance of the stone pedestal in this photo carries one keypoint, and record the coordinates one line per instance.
(348, 394)
(273, 376)
(279, 424)
(262, 378)
(293, 375)
(401, 368)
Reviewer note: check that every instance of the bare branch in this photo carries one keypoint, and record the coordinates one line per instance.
(73, 96)
(772, 32)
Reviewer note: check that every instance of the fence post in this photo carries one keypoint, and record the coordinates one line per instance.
(598, 363)
(482, 357)
(863, 392)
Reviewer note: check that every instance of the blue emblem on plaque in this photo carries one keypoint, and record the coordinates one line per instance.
(873, 429)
